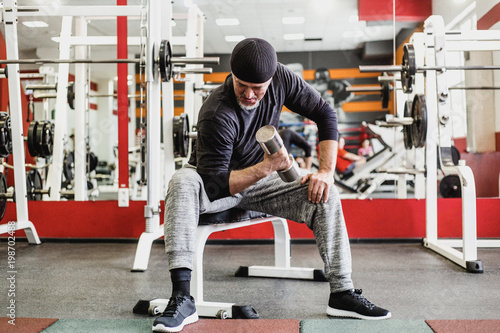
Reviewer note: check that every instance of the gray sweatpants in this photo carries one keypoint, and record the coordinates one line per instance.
(186, 200)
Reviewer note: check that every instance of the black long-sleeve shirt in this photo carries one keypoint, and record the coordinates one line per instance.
(226, 132)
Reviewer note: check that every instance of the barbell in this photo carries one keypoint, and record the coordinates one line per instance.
(414, 122)
(34, 190)
(164, 61)
(409, 68)
(40, 137)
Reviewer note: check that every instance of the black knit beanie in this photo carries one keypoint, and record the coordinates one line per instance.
(254, 60)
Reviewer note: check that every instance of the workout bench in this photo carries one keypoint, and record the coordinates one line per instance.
(232, 219)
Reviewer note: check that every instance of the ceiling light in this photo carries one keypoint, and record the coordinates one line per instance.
(35, 24)
(234, 38)
(353, 34)
(227, 21)
(293, 36)
(293, 20)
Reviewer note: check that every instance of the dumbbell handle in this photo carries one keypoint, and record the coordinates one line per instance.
(271, 142)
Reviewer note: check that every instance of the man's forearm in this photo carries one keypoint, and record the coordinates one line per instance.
(240, 180)
(328, 156)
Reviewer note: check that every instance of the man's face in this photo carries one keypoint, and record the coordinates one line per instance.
(249, 94)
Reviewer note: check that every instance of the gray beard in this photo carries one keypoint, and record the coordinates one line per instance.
(247, 107)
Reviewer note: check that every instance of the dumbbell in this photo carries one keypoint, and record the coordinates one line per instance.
(271, 142)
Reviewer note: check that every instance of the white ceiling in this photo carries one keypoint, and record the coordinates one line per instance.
(327, 20)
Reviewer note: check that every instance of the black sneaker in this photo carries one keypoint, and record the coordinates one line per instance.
(180, 311)
(351, 303)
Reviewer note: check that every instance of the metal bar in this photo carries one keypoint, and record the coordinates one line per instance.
(368, 69)
(41, 87)
(364, 89)
(69, 61)
(195, 61)
(206, 70)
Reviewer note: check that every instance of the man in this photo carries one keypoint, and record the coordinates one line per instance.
(291, 138)
(346, 161)
(229, 169)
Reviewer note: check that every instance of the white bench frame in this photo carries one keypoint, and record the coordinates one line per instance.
(281, 268)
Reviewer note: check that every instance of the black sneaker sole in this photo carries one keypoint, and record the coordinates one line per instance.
(189, 320)
(351, 314)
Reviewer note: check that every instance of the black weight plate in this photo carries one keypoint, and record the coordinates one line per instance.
(3, 200)
(71, 95)
(181, 135)
(450, 187)
(409, 68)
(419, 126)
(385, 94)
(407, 136)
(33, 182)
(47, 144)
(39, 139)
(68, 166)
(32, 139)
(164, 63)
(92, 161)
(5, 143)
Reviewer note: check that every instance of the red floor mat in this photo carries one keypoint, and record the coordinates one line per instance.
(25, 325)
(464, 326)
(243, 326)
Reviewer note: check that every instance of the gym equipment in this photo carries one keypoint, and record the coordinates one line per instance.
(270, 141)
(164, 63)
(450, 187)
(408, 68)
(5, 135)
(232, 219)
(34, 188)
(180, 135)
(419, 125)
(40, 139)
(384, 89)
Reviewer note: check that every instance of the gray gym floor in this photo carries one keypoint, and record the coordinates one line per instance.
(94, 281)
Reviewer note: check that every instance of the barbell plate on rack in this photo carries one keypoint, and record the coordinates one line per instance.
(33, 182)
(181, 135)
(407, 135)
(71, 95)
(47, 144)
(419, 126)
(450, 187)
(32, 139)
(3, 199)
(92, 162)
(165, 63)
(5, 135)
(68, 166)
(409, 68)
(385, 94)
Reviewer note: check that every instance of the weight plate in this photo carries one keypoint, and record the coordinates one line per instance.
(39, 139)
(409, 68)
(385, 94)
(33, 182)
(68, 167)
(419, 126)
(450, 187)
(71, 95)
(92, 161)
(47, 143)
(32, 139)
(164, 63)
(407, 136)
(3, 200)
(181, 135)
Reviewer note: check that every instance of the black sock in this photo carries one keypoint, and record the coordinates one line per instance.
(181, 280)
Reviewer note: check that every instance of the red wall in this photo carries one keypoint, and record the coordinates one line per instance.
(379, 218)
(406, 10)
